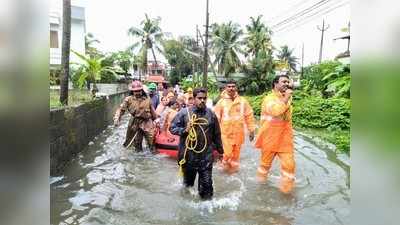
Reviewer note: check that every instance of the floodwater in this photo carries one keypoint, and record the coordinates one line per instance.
(107, 184)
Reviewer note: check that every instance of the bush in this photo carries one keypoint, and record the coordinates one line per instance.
(255, 103)
(316, 112)
(107, 77)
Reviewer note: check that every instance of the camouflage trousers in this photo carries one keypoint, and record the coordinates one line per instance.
(137, 130)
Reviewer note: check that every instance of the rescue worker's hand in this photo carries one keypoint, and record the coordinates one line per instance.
(251, 135)
(289, 92)
(187, 128)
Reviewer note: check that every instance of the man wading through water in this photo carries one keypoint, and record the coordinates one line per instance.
(199, 133)
(141, 123)
(275, 137)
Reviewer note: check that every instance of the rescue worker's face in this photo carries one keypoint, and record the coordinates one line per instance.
(200, 100)
(231, 89)
(282, 84)
(137, 93)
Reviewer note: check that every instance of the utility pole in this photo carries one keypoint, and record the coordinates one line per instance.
(205, 71)
(322, 39)
(348, 42)
(302, 59)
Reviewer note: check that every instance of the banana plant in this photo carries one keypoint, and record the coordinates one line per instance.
(90, 70)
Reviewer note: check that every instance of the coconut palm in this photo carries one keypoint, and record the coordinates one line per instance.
(89, 48)
(258, 37)
(286, 55)
(226, 45)
(150, 36)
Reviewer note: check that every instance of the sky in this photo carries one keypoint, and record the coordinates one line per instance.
(109, 21)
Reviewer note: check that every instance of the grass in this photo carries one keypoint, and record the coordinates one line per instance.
(75, 97)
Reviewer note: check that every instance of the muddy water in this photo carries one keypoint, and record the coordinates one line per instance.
(106, 184)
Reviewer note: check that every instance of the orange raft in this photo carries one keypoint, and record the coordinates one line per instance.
(168, 144)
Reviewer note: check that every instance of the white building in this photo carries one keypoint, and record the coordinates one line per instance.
(78, 31)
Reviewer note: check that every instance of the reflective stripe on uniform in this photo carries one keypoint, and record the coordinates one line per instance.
(288, 175)
(262, 170)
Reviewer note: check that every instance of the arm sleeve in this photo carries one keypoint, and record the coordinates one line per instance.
(216, 136)
(218, 110)
(178, 124)
(249, 117)
(121, 109)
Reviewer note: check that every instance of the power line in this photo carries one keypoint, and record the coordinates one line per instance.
(309, 18)
(289, 9)
(301, 13)
(300, 20)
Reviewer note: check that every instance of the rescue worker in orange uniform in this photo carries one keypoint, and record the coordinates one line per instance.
(141, 123)
(233, 112)
(275, 137)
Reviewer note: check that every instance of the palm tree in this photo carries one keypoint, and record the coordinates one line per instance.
(66, 41)
(227, 45)
(258, 37)
(285, 55)
(89, 49)
(150, 36)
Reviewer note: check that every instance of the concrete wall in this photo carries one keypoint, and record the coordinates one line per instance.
(111, 88)
(71, 129)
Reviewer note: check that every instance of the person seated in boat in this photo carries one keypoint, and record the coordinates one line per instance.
(189, 101)
(162, 106)
(170, 113)
(181, 101)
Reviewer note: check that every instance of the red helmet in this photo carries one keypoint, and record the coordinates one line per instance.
(136, 86)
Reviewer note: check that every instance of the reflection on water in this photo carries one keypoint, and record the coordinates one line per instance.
(107, 184)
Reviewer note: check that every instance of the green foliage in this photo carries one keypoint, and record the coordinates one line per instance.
(255, 103)
(286, 55)
(258, 37)
(54, 76)
(150, 36)
(259, 74)
(181, 61)
(332, 114)
(90, 70)
(317, 112)
(227, 46)
(330, 78)
(197, 81)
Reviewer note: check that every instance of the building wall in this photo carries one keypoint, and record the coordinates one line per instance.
(71, 129)
(78, 30)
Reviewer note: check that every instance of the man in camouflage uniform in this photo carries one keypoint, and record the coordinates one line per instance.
(141, 123)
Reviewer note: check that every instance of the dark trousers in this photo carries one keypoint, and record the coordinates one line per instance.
(205, 183)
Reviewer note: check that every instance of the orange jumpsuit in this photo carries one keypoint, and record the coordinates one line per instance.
(232, 116)
(275, 138)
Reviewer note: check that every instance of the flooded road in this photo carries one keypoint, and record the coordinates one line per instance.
(107, 184)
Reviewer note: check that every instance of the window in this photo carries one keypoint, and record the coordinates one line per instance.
(53, 39)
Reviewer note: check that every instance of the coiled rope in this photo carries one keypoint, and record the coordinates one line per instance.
(192, 138)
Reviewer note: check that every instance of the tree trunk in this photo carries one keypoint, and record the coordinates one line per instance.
(66, 40)
(154, 55)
